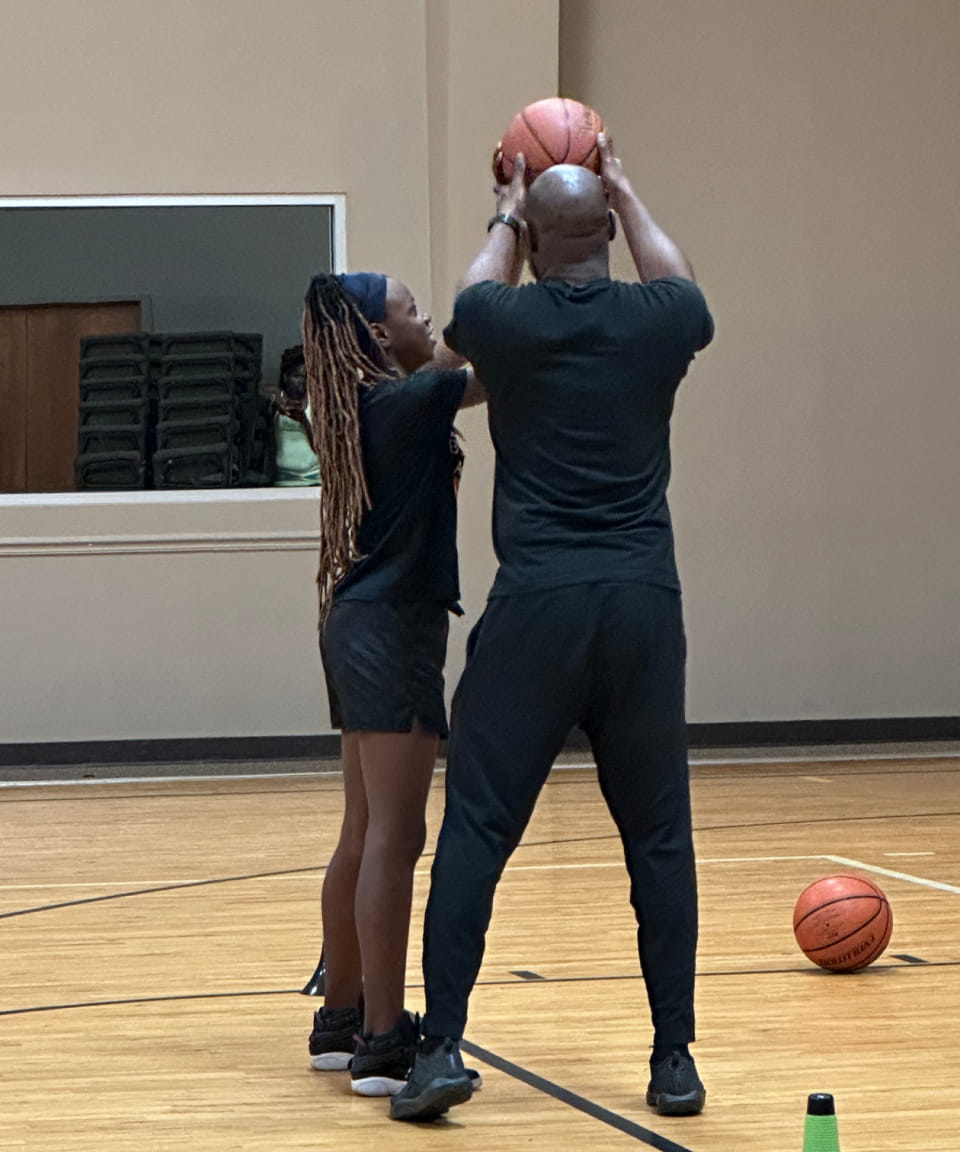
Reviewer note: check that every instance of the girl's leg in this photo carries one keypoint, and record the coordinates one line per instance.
(341, 948)
(397, 768)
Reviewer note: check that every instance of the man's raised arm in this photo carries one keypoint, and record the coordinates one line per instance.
(500, 258)
(653, 252)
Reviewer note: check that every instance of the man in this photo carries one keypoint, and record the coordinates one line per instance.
(584, 623)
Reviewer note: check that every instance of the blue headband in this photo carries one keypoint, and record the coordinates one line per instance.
(368, 290)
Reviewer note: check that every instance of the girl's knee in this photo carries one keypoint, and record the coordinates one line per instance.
(401, 843)
(350, 846)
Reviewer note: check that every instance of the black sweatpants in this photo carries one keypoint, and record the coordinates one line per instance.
(611, 658)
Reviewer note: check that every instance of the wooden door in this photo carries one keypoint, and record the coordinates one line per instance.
(53, 383)
(40, 388)
(13, 399)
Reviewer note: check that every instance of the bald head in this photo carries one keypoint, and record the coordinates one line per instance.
(569, 200)
(569, 224)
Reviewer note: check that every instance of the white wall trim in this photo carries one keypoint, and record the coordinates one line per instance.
(127, 498)
(168, 542)
(335, 200)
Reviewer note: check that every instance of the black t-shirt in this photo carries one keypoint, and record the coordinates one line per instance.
(411, 459)
(581, 381)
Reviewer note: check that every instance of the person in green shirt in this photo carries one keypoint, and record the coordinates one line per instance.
(296, 461)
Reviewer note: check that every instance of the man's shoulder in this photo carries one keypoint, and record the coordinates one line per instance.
(683, 301)
(477, 309)
(673, 287)
(484, 292)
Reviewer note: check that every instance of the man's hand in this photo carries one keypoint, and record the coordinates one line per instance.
(615, 182)
(653, 252)
(497, 165)
(512, 197)
(501, 257)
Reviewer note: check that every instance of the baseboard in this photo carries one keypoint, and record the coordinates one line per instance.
(185, 750)
(803, 733)
(738, 734)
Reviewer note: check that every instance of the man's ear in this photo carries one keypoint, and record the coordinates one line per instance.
(612, 224)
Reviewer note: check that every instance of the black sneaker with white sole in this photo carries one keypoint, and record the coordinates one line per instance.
(331, 1041)
(381, 1062)
(437, 1082)
(675, 1089)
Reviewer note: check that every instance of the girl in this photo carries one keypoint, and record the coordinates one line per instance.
(382, 407)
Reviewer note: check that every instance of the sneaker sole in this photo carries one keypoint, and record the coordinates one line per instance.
(377, 1086)
(664, 1104)
(385, 1086)
(438, 1097)
(331, 1061)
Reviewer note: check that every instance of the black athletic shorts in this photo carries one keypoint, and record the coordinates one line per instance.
(384, 665)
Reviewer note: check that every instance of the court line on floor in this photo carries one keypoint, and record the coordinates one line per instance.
(868, 818)
(519, 982)
(319, 788)
(119, 1003)
(572, 1099)
(150, 891)
(298, 873)
(176, 796)
(880, 871)
(88, 781)
(619, 863)
(713, 761)
(798, 968)
(145, 887)
(821, 758)
(563, 1095)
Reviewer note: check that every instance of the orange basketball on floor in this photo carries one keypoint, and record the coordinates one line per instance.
(842, 922)
(551, 131)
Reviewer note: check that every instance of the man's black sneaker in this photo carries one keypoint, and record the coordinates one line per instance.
(331, 1041)
(380, 1063)
(675, 1089)
(436, 1083)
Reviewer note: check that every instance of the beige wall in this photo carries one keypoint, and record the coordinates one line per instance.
(159, 615)
(804, 156)
(801, 152)
(206, 96)
(197, 619)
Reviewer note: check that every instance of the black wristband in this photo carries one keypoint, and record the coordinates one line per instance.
(505, 218)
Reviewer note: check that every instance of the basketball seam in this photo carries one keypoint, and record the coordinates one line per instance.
(864, 961)
(566, 120)
(839, 900)
(887, 932)
(840, 939)
(583, 162)
(533, 133)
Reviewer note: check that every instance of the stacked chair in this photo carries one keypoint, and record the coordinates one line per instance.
(192, 398)
(207, 386)
(114, 441)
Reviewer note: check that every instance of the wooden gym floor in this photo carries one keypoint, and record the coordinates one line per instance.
(154, 936)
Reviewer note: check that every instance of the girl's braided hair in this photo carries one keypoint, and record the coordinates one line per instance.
(341, 355)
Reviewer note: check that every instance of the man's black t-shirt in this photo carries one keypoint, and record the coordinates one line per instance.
(411, 459)
(580, 380)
